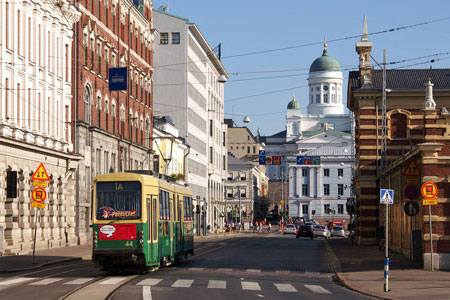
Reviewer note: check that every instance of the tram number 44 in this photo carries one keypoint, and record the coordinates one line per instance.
(129, 244)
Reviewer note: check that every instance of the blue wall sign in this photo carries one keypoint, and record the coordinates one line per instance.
(118, 79)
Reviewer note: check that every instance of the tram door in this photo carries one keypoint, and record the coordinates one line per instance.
(152, 223)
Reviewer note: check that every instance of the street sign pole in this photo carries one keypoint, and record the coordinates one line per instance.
(386, 197)
(386, 262)
(431, 239)
(35, 232)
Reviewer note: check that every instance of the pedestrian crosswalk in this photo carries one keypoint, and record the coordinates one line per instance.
(173, 283)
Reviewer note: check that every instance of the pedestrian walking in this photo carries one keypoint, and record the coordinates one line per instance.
(269, 227)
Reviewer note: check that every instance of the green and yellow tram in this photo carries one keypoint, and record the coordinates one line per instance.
(140, 220)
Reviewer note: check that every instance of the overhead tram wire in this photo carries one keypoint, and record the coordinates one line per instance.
(316, 43)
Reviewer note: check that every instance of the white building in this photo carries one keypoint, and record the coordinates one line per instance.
(36, 40)
(316, 191)
(187, 88)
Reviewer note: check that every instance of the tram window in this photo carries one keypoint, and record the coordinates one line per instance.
(187, 208)
(164, 205)
(118, 200)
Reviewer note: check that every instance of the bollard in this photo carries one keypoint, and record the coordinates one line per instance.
(386, 274)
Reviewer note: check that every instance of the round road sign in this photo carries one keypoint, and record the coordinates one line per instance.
(411, 208)
(429, 190)
(39, 195)
(412, 192)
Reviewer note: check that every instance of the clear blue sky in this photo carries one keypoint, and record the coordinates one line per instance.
(249, 26)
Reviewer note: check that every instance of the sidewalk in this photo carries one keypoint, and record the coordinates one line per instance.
(361, 268)
(14, 263)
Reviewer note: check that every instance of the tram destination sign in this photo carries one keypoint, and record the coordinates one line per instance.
(308, 160)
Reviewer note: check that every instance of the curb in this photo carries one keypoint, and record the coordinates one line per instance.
(38, 266)
(337, 269)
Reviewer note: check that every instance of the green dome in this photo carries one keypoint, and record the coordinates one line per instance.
(293, 104)
(325, 63)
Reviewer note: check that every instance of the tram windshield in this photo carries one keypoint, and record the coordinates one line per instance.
(120, 200)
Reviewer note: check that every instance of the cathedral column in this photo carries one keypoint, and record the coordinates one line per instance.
(319, 182)
(291, 171)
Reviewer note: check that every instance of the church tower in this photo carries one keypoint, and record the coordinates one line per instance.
(293, 120)
(325, 86)
(363, 48)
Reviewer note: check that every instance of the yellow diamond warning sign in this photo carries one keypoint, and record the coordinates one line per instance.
(411, 169)
(40, 174)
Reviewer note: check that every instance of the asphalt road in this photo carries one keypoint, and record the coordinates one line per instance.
(236, 266)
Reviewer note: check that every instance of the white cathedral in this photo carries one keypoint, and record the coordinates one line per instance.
(316, 191)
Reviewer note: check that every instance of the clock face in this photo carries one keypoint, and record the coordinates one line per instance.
(325, 88)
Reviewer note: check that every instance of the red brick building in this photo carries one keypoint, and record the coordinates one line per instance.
(111, 129)
(418, 133)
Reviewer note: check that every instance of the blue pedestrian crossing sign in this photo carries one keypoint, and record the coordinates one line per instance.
(386, 196)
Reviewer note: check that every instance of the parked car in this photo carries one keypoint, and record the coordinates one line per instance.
(290, 228)
(337, 231)
(322, 231)
(305, 231)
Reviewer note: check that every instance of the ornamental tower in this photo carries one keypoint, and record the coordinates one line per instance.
(325, 86)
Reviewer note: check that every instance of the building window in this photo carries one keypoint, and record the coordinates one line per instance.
(248, 149)
(224, 163)
(317, 98)
(175, 37)
(326, 189)
(325, 98)
(326, 208)
(254, 149)
(304, 172)
(210, 127)
(341, 172)
(398, 126)
(243, 177)
(164, 38)
(229, 193)
(230, 176)
(340, 209)
(211, 155)
(333, 98)
(326, 172)
(224, 140)
(243, 192)
(304, 190)
(340, 189)
(305, 209)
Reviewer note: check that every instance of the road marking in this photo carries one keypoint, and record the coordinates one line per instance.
(224, 269)
(252, 286)
(113, 280)
(285, 287)
(17, 280)
(183, 283)
(253, 270)
(149, 281)
(46, 281)
(146, 293)
(196, 269)
(217, 284)
(317, 289)
(79, 281)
